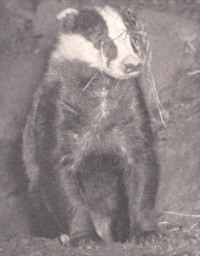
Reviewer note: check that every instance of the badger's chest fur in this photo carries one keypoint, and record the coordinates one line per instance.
(88, 146)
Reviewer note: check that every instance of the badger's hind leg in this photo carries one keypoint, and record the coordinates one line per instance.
(82, 231)
(101, 182)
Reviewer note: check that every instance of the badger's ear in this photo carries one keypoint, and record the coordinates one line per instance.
(67, 19)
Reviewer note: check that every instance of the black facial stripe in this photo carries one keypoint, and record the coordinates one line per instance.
(134, 47)
(129, 19)
(130, 22)
(90, 24)
(109, 50)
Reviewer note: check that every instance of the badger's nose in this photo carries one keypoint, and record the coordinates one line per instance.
(131, 65)
(130, 68)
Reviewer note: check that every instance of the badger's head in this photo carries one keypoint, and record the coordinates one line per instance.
(98, 37)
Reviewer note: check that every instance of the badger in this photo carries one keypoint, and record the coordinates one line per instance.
(88, 145)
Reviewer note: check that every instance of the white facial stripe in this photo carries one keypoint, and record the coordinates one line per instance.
(76, 47)
(114, 22)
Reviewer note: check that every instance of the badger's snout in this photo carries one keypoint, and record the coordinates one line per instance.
(130, 65)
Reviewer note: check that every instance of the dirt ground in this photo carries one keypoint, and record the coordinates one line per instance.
(27, 30)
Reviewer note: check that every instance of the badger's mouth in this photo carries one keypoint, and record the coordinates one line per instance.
(122, 76)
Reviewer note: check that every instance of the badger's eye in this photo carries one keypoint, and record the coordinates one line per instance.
(126, 35)
(90, 31)
(99, 41)
(109, 49)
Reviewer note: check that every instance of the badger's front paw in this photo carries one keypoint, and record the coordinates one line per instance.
(147, 236)
(145, 232)
(83, 242)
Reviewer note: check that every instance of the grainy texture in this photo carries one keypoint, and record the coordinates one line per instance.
(88, 145)
(179, 155)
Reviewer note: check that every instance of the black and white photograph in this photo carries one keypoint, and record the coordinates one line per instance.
(99, 128)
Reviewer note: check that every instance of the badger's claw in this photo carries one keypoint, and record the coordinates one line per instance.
(150, 236)
(85, 243)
